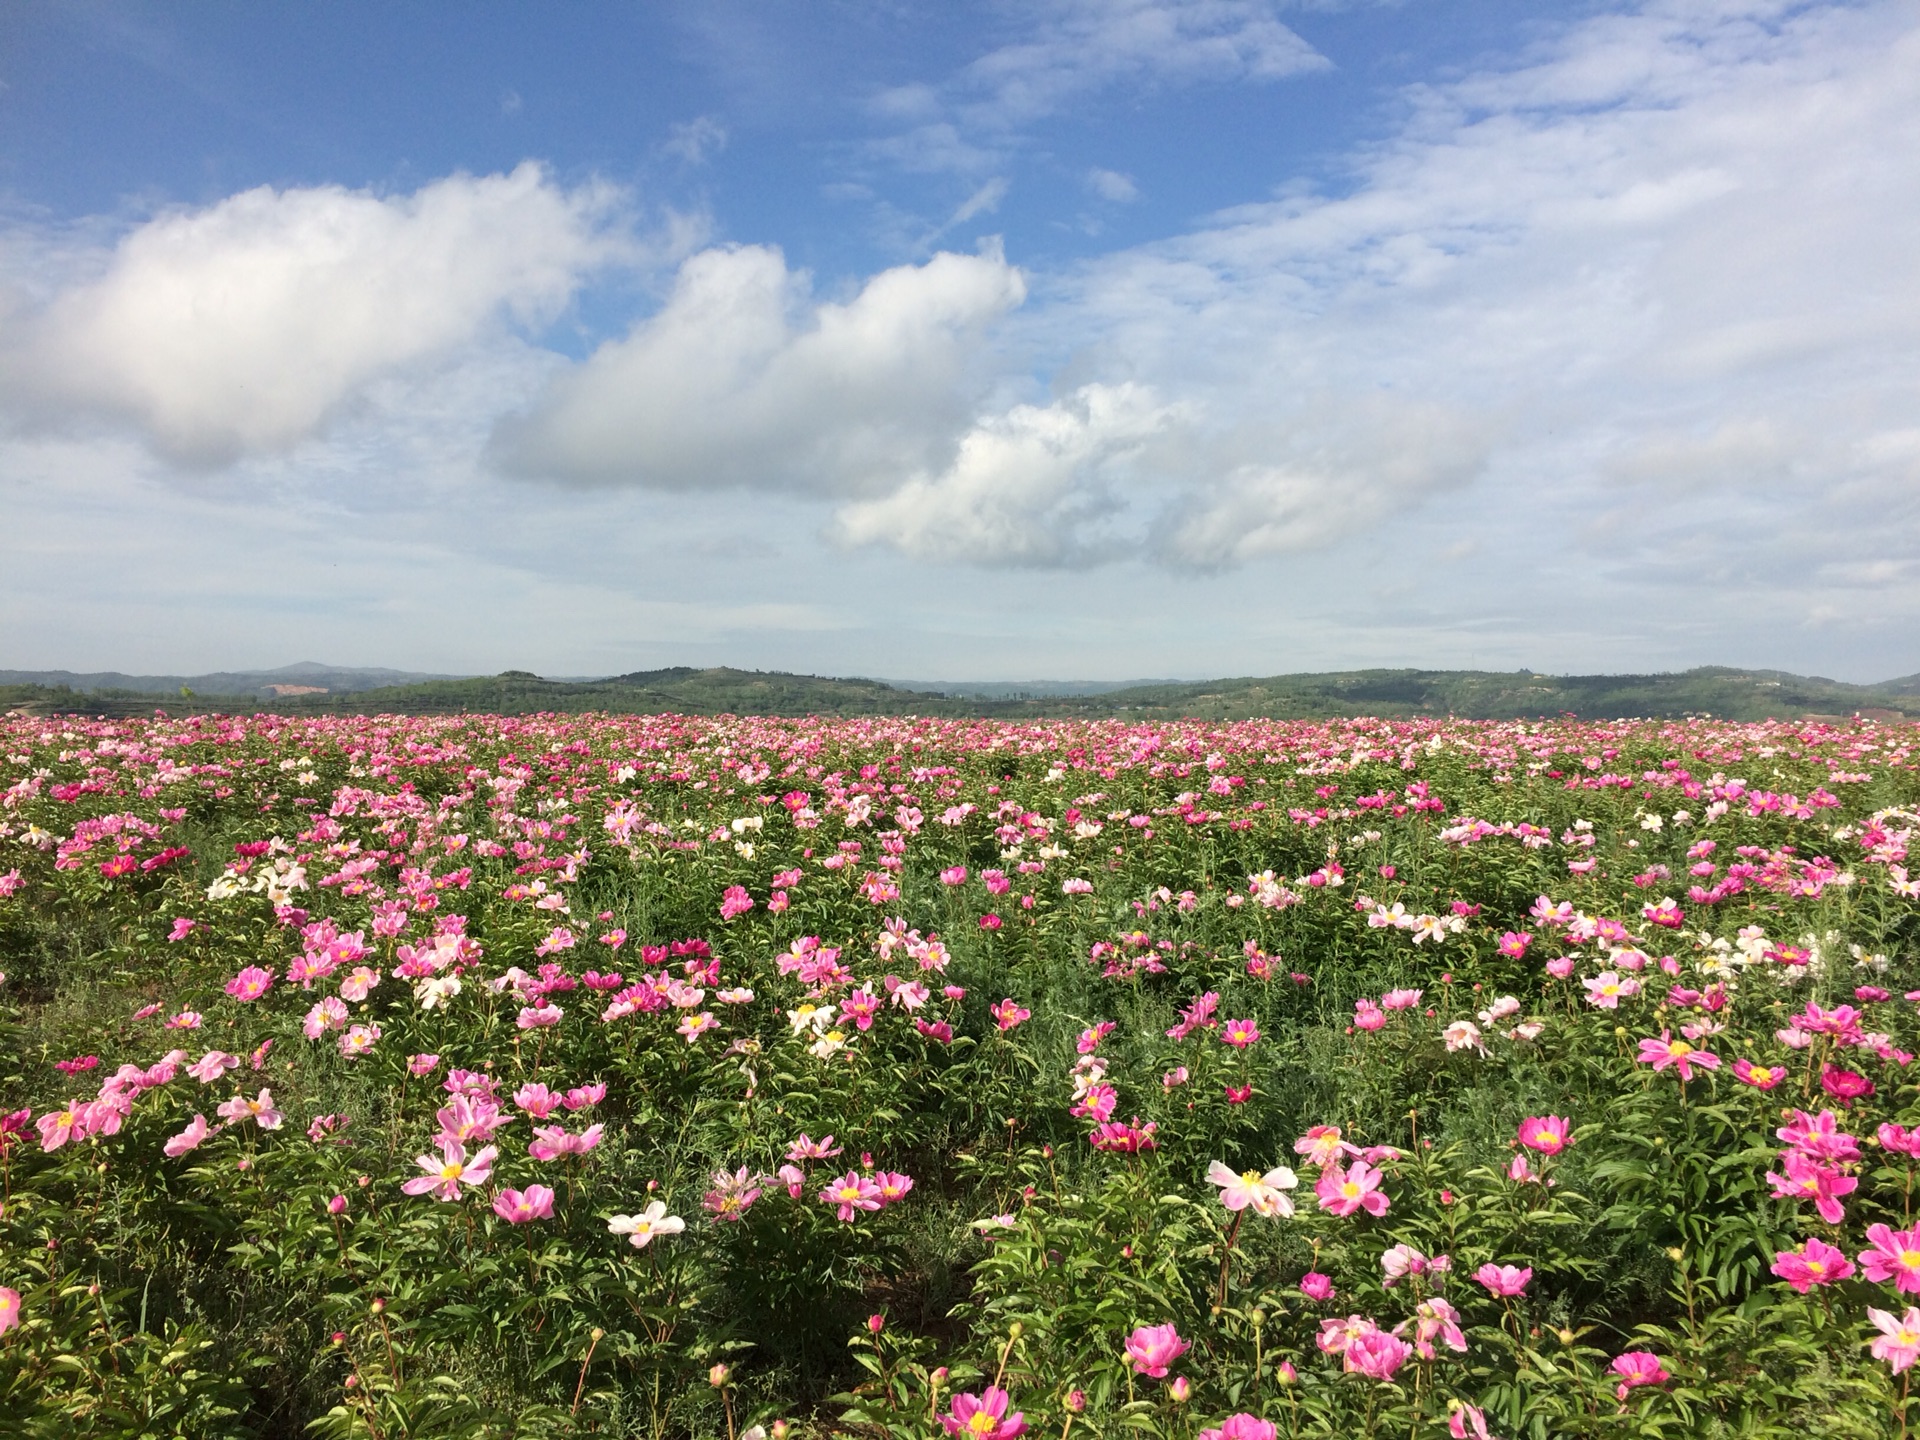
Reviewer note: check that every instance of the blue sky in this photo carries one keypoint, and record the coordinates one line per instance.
(1058, 339)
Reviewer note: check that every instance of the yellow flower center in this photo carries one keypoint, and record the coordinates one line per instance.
(1350, 1190)
(449, 1172)
(1910, 1259)
(981, 1423)
(1679, 1048)
(1249, 1177)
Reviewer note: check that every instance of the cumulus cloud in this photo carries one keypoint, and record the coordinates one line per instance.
(741, 379)
(1031, 486)
(1342, 465)
(240, 327)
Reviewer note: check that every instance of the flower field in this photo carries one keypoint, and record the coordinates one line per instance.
(667, 1077)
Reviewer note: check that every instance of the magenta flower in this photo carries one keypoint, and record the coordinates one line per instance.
(536, 1017)
(1900, 1140)
(1504, 1280)
(1894, 1255)
(1008, 1014)
(954, 875)
(1682, 1056)
(1846, 1086)
(1898, 1342)
(983, 1416)
(1128, 1139)
(1316, 1286)
(732, 1195)
(1467, 1422)
(1239, 1033)
(1343, 1191)
(851, 1192)
(1152, 1348)
(1818, 1263)
(1549, 1134)
(1761, 1077)
(1636, 1368)
(250, 984)
(517, 1207)
(1242, 1427)
(1809, 1180)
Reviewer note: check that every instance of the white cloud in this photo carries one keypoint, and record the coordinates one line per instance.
(1113, 185)
(242, 326)
(983, 201)
(1078, 46)
(1030, 487)
(1340, 465)
(1069, 50)
(742, 380)
(696, 141)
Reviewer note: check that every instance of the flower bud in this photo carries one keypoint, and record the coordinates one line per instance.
(339, 1337)
(378, 1306)
(597, 1334)
(1076, 1401)
(337, 1205)
(717, 1376)
(353, 1382)
(1180, 1390)
(940, 1377)
(1286, 1374)
(1016, 1330)
(778, 1430)
(875, 1324)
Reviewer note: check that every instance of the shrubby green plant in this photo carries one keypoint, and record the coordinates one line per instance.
(584, 1075)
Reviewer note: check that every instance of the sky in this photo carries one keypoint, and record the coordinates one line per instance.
(1072, 339)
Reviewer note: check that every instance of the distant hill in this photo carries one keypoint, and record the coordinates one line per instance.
(306, 675)
(1471, 694)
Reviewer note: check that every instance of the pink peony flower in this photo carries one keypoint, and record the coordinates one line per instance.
(1546, 1133)
(443, 1176)
(983, 1416)
(517, 1207)
(1504, 1280)
(188, 1139)
(1893, 1255)
(1635, 1368)
(1683, 1057)
(250, 984)
(1242, 1427)
(1816, 1263)
(1152, 1348)
(851, 1192)
(1316, 1286)
(1898, 1342)
(1343, 1191)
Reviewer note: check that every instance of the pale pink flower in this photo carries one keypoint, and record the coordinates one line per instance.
(443, 1176)
(212, 1065)
(1898, 1342)
(1263, 1194)
(259, 1110)
(190, 1138)
(645, 1227)
(517, 1207)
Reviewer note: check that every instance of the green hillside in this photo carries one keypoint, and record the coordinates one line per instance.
(1473, 694)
